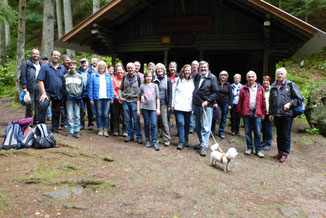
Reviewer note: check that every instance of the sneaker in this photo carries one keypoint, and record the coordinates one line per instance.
(105, 132)
(260, 154)
(148, 143)
(237, 134)
(233, 133)
(266, 148)
(191, 130)
(222, 136)
(125, 134)
(248, 151)
(167, 144)
(77, 135)
(140, 141)
(81, 127)
(278, 156)
(197, 147)
(180, 146)
(127, 139)
(115, 134)
(284, 158)
(155, 146)
(91, 127)
(186, 144)
(203, 151)
(69, 135)
(100, 132)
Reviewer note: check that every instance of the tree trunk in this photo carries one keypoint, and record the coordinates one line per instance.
(7, 30)
(20, 41)
(59, 18)
(96, 5)
(2, 44)
(48, 28)
(68, 22)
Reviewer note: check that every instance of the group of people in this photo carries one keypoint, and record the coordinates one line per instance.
(195, 95)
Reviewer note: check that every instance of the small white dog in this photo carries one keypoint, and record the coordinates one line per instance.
(225, 159)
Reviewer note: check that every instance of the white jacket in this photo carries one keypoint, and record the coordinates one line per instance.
(182, 94)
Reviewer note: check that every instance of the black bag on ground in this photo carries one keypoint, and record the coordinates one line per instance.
(43, 137)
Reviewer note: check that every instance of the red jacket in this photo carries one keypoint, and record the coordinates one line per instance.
(243, 108)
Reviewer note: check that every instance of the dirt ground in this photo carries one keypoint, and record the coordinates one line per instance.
(142, 182)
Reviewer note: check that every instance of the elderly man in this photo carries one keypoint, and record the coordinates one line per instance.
(203, 99)
(284, 94)
(28, 81)
(50, 80)
(252, 107)
(128, 94)
(137, 70)
(93, 66)
(86, 72)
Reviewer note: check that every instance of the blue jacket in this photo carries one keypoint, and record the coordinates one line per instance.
(85, 88)
(94, 87)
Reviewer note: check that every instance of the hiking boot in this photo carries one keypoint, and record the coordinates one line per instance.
(155, 146)
(266, 148)
(77, 135)
(222, 136)
(186, 144)
(284, 158)
(260, 154)
(180, 146)
(167, 144)
(148, 143)
(278, 156)
(233, 133)
(69, 135)
(100, 132)
(203, 151)
(125, 134)
(91, 127)
(197, 147)
(127, 139)
(105, 132)
(191, 130)
(140, 141)
(237, 134)
(248, 151)
(115, 133)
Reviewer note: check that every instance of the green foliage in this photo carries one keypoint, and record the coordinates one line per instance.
(70, 166)
(7, 14)
(312, 131)
(7, 78)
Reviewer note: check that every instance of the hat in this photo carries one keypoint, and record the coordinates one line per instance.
(25, 98)
(73, 62)
(44, 58)
(83, 60)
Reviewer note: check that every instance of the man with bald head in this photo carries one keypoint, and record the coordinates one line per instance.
(128, 94)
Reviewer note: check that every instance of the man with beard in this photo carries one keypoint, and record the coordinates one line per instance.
(50, 80)
(28, 81)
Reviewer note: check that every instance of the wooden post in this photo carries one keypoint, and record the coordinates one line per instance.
(265, 64)
(166, 53)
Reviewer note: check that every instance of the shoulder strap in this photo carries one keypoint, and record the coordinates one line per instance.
(139, 80)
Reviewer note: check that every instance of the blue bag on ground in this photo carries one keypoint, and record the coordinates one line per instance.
(13, 137)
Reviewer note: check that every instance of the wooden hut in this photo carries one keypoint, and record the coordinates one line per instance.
(232, 35)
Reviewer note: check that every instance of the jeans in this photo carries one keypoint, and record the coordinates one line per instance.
(118, 117)
(163, 123)
(283, 129)
(183, 124)
(267, 130)
(253, 123)
(73, 109)
(203, 124)
(48, 112)
(89, 107)
(192, 122)
(55, 107)
(216, 118)
(235, 120)
(224, 113)
(102, 113)
(132, 120)
(149, 117)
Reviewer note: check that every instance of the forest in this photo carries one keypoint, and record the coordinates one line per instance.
(22, 22)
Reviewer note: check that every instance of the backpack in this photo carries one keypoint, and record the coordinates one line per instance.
(13, 137)
(24, 123)
(123, 80)
(299, 109)
(43, 137)
(28, 138)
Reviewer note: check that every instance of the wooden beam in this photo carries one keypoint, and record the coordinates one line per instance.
(147, 3)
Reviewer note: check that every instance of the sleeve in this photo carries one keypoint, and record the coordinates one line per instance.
(111, 90)
(141, 91)
(263, 103)
(121, 87)
(157, 92)
(270, 109)
(22, 77)
(169, 93)
(90, 89)
(213, 96)
(41, 74)
(239, 107)
(64, 86)
(230, 95)
(173, 91)
(296, 97)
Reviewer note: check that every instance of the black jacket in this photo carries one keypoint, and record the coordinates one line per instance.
(27, 76)
(224, 93)
(289, 92)
(207, 91)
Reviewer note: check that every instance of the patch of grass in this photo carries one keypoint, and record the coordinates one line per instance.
(15, 105)
(3, 201)
(44, 174)
(312, 131)
(70, 166)
(103, 186)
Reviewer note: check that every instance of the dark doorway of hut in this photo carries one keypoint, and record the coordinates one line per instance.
(183, 56)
